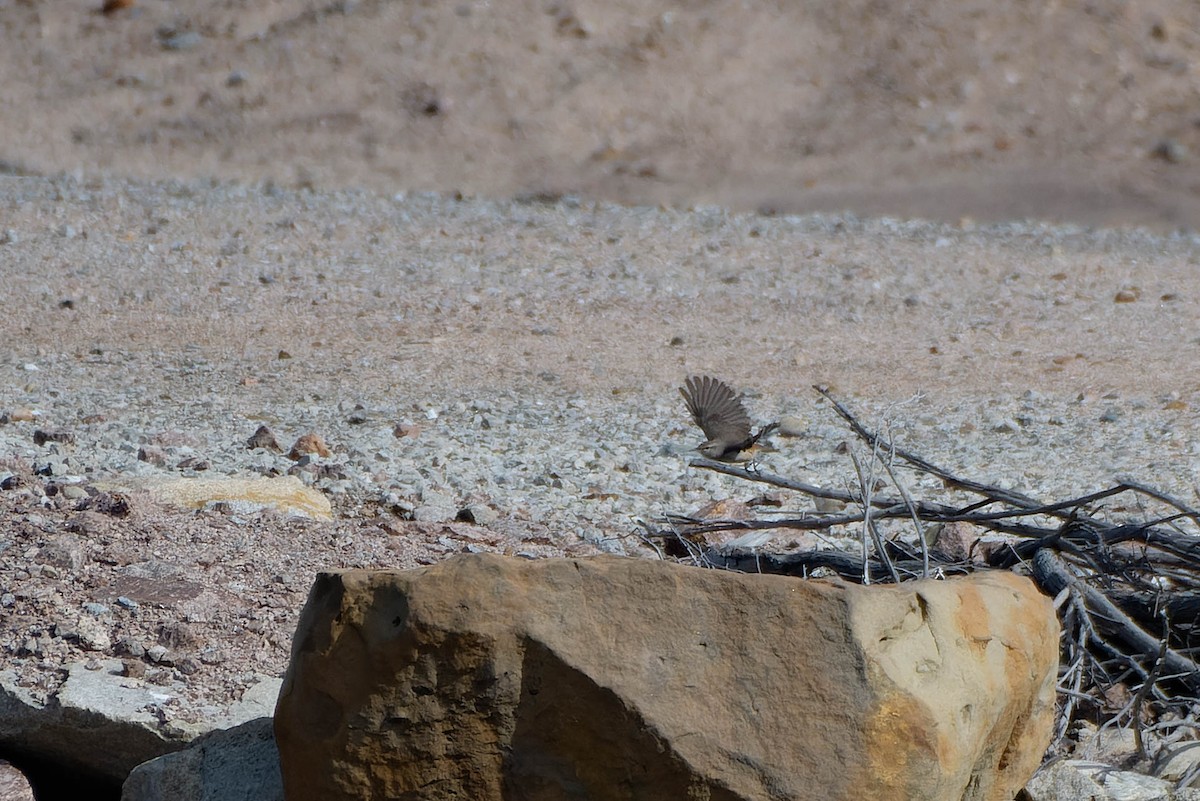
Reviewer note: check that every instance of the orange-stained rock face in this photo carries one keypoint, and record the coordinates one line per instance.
(486, 677)
(964, 674)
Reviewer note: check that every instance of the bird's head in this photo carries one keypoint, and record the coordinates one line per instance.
(712, 449)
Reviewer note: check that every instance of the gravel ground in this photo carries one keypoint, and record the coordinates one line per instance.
(528, 355)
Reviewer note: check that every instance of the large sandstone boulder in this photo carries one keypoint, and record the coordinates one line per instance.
(487, 677)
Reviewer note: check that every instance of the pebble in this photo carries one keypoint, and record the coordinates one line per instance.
(791, 425)
(93, 634)
(477, 513)
(434, 514)
(181, 41)
(309, 444)
(263, 438)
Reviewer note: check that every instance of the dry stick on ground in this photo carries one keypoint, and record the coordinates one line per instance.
(866, 483)
(1052, 574)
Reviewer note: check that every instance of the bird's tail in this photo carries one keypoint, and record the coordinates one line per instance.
(764, 431)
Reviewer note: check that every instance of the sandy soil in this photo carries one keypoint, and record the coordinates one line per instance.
(1068, 111)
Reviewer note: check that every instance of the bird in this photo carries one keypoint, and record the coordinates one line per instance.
(723, 419)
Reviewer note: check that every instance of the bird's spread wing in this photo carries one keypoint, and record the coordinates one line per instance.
(719, 413)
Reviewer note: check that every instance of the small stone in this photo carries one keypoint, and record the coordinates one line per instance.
(65, 551)
(130, 647)
(133, 668)
(235, 78)
(73, 492)
(180, 41)
(156, 653)
(19, 416)
(7, 599)
(410, 430)
(152, 454)
(42, 436)
(477, 514)
(829, 505)
(308, 444)
(1179, 761)
(1129, 295)
(195, 463)
(95, 609)
(176, 635)
(428, 513)
(263, 438)
(188, 666)
(211, 655)
(93, 635)
(113, 504)
(126, 602)
(14, 785)
(1169, 150)
(791, 425)
(422, 100)
(724, 509)
(1111, 415)
(159, 677)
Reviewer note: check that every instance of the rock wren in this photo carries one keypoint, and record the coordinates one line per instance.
(723, 419)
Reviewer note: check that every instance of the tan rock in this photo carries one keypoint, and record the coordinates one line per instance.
(486, 678)
(308, 444)
(791, 425)
(286, 494)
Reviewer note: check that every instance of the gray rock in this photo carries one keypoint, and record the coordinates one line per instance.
(478, 513)
(1178, 761)
(93, 634)
(13, 784)
(103, 724)
(181, 41)
(1074, 779)
(238, 764)
(791, 425)
(97, 724)
(434, 514)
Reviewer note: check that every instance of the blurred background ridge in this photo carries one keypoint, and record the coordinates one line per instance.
(1084, 112)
